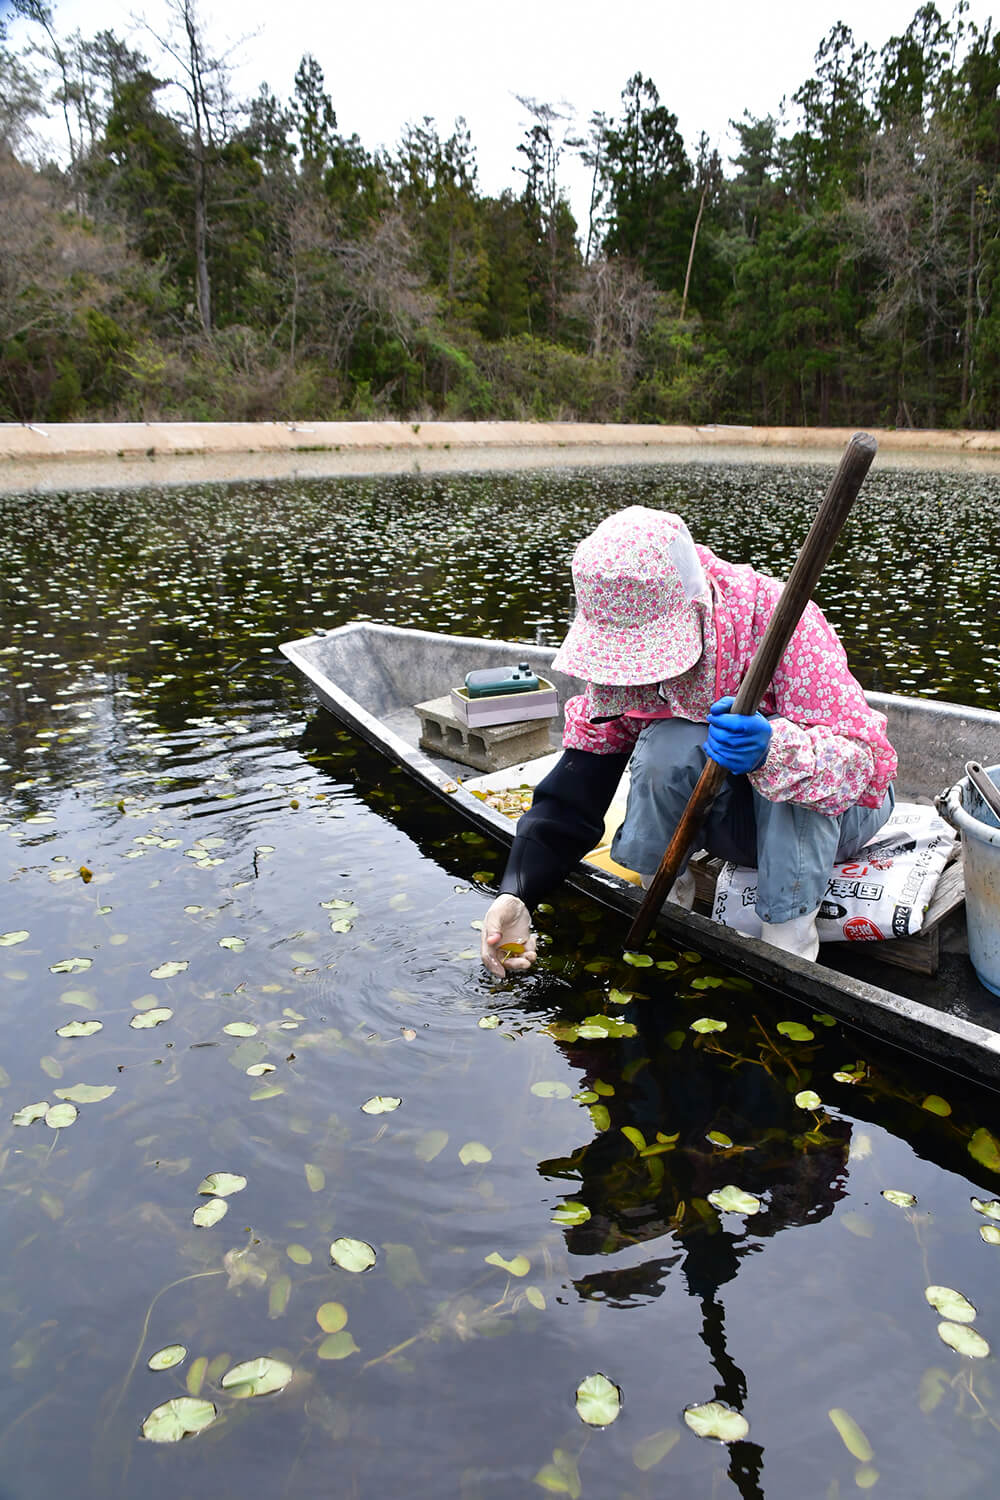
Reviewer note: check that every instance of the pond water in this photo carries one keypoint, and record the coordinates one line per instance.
(235, 938)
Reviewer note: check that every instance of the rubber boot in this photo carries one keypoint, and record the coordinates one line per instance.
(799, 936)
(681, 892)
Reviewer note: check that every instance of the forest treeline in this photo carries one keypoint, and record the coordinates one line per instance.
(194, 256)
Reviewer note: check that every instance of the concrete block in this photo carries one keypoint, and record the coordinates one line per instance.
(486, 748)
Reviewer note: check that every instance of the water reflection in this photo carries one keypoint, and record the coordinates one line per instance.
(661, 1201)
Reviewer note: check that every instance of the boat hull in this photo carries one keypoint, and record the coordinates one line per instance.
(369, 676)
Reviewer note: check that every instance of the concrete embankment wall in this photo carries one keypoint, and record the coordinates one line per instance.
(49, 456)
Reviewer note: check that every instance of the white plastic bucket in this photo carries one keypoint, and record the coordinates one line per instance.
(966, 810)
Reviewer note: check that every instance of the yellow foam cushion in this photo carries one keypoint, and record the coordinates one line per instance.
(601, 856)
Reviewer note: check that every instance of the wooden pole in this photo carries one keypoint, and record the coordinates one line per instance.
(809, 564)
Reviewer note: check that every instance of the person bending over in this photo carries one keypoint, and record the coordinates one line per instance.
(663, 636)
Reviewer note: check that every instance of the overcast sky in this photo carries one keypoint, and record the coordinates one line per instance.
(391, 61)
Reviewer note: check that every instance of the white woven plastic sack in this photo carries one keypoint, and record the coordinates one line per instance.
(883, 892)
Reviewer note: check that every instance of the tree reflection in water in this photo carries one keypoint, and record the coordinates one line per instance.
(795, 1161)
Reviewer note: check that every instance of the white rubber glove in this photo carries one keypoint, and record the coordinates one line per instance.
(507, 921)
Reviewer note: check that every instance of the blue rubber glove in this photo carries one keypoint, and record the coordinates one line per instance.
(739, 742)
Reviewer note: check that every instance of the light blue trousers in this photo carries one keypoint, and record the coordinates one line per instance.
(793, 848)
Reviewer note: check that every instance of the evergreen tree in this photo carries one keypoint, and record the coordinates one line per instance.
(435, 184)
(824, 159)
(647, 174)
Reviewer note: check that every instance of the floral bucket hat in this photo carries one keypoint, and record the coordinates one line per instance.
(637, 578)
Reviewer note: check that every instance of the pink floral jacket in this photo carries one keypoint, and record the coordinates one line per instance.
(828, 749)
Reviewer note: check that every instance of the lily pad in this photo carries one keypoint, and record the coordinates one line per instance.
(561, 1476)
(145, 1020)
(935, 1105)
(808, 1099)
(257, 1377)
(222, 1184)
(934, 1384)
(70, 966)
(707, 1024)
(897, 1196)
(267, 1091)
(649, 1452)
(9, 939)
(990, 1233)
(257, 1070)
(278, 1295)
(182, 1417)
(551, 1089)
(169, 970)
(381, 1104)
(207, 1214)
(299, 1254)
(83, 998)
(796, 1032)
(964, 1340)
(234, 944)
(352, 1255)
(86, 1093)
(638, 960)
(79, 1028)
(240, 1028)
(571, 1212)
(315, 1177)
(430, 1145)
(337, 1346)
(714, 1420)
(598, 1401)
(605, 1026)
(30, 1113)
(719, 1138)
(331, 1316)
(851, 1435)
(991, 1209)
(488, 1023)
(165, 1359)
(733, 1200)
(950, 1304)
(520, 1265)
(473, 1152)
(985, 1149)
(60, 1116)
